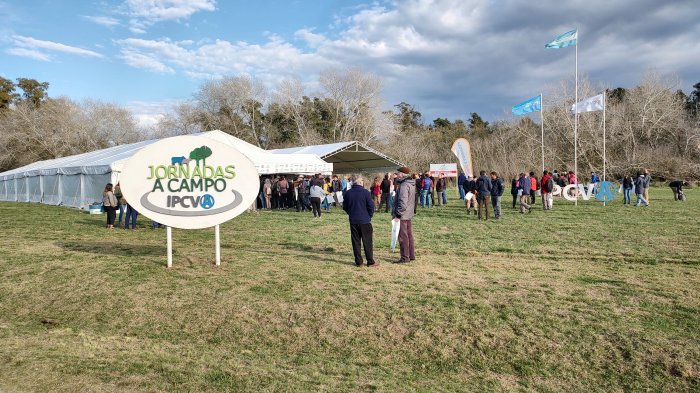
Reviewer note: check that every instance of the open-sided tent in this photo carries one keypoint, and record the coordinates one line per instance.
(78, 180)
(347, 157)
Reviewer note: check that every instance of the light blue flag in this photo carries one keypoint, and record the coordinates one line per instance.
(564, 40)
(534, 104)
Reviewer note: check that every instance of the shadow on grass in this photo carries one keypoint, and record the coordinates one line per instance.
(110, 248)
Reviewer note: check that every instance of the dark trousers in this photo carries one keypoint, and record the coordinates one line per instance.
(484, 202)
(362, 233)
(515, 199)
(408, 249)
(131, 215)
(316, 206)
(533, 199)
(111, 214)
(384, 201)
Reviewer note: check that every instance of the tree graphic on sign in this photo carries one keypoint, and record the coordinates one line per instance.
(201, 154)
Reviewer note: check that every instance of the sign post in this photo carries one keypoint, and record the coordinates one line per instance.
(190, 182)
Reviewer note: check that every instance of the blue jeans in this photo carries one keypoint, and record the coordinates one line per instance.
(325, 205)
(628, 196)
(640, 200)
(442, 195)
(131, 215)
(261, 198)
(122, 209)
(462, 194)
(424, 198)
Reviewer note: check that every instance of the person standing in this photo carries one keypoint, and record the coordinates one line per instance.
(647, 184)
(358, 204)
(283, 186)
(425, 191)
(110, 203)
(131, 216)
(627, 187)
(386, 193)
(460, 185)
(404, 209)
(514, 189)
(316, 193)
(267, 190)
(639, 188)
(524, 187)
(547, 186)
(376, 191)
(496, 194)
(533, 188)
(483, 192)
(122, 203)
(441, 189)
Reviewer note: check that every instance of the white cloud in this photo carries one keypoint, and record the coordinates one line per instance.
(449, 57)
(144, 61)
(148, 113)
(145, 13)
(103, 20)
(30, 53)
(30, 43)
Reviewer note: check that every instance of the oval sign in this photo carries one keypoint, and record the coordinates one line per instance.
(189, 182)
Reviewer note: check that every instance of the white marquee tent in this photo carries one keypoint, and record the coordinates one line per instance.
(79, 180)
(348, 157)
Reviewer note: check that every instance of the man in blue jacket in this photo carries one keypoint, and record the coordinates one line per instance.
(358, 203)
(460, 185)
(496, 194)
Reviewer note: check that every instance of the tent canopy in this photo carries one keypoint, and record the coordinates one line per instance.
(79, 180)
(347, 157)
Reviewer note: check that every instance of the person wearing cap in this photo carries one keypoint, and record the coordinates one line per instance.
(358, 204)
(403, 211)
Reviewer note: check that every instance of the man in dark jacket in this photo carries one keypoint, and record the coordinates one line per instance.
(386, 190)
(676, 187)
(441, 189)
(483, 193)
(358, 203)
(470, 187)
(496, 194)
(460, 185)
(547, 186)
(404, 209)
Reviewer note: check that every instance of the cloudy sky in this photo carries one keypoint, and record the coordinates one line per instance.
(446, 57)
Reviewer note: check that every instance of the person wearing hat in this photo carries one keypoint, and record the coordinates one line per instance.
(358, 204)
(403, 211)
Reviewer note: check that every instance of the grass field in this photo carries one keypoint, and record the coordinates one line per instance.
(587, 298)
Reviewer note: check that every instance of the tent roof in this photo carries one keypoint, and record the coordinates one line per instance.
(113, 158)
(347, 157)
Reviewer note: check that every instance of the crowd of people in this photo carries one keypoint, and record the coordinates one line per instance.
(401, 193)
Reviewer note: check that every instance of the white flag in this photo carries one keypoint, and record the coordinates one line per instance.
(462, 150)
(592, 104)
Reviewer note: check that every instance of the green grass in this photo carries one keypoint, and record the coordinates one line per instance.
(587, 298)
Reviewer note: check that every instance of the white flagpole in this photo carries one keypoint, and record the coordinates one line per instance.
(576, 120)
(542, 124)
(604, 104)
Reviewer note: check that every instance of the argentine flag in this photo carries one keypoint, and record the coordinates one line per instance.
(534, 104)
(564, 40)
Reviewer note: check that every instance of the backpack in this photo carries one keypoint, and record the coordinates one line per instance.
(549, 185)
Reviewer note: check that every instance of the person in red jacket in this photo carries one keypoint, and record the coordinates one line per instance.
(533, 188)
(547, 186)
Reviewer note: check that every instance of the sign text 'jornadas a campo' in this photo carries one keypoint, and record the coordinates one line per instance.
(189, 182)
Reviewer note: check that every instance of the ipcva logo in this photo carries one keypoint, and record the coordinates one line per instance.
(189, 187)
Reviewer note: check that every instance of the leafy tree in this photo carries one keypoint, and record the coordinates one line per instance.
(7, 93)
(409, 117)
(616, 95)
(695, 99)
(201, 154)
(478, 126)
(34, 92)
(441, 123)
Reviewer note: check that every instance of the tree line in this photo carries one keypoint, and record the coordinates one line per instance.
(653, 125)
